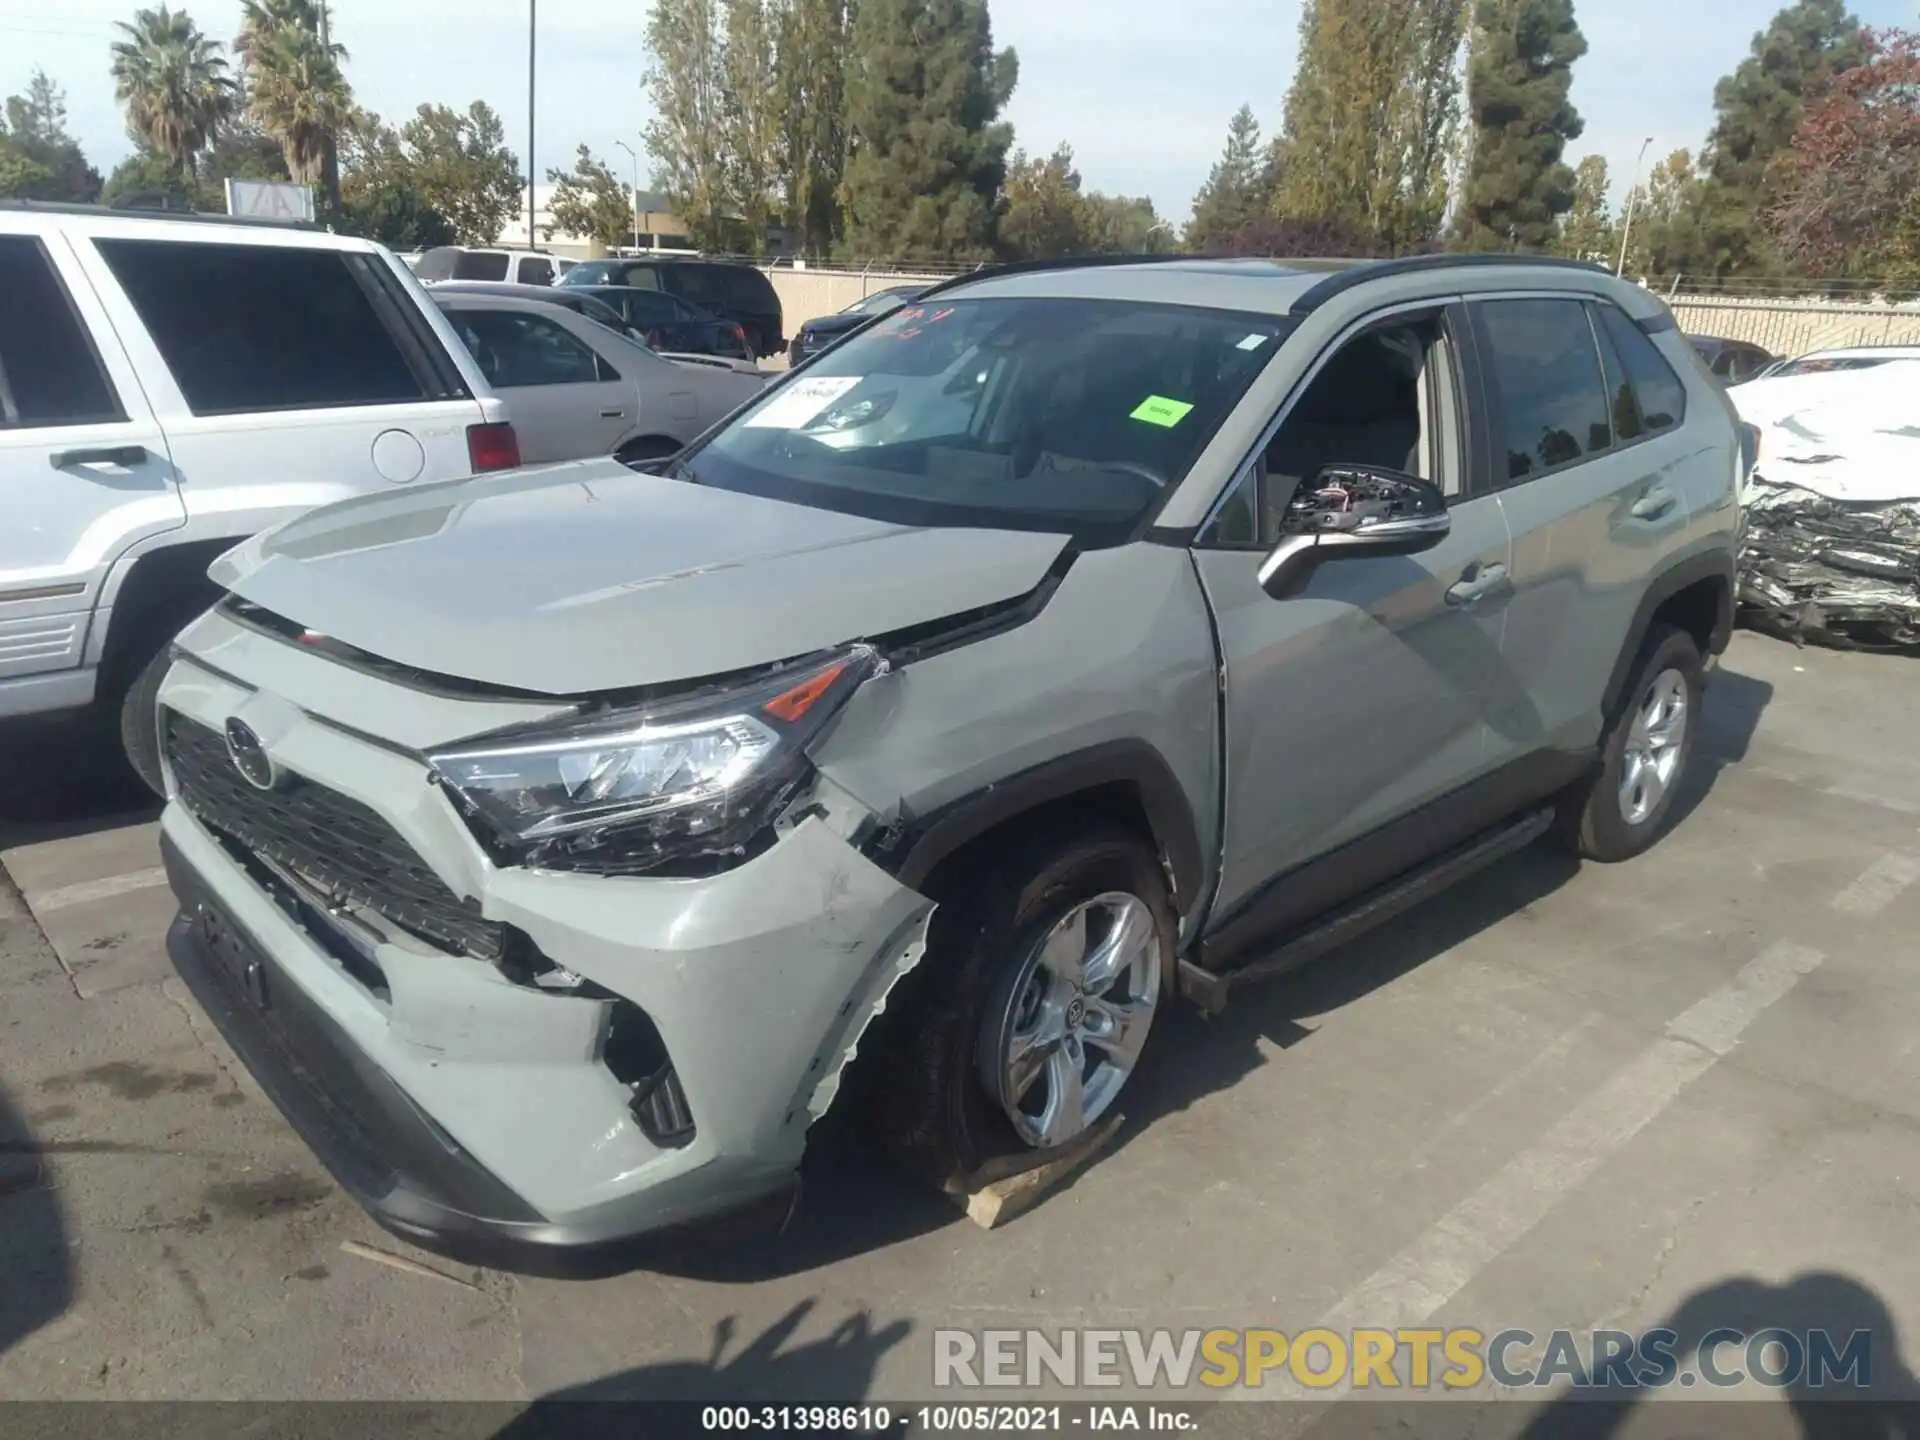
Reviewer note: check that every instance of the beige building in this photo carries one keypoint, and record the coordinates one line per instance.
(658, 228)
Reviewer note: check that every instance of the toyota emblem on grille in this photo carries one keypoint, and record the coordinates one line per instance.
(249, 755)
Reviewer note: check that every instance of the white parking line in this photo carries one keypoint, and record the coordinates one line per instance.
(85, 892)
(1446, 1257)
(1879, 885)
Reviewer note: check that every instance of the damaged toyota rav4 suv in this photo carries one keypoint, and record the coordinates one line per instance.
(1076, 640)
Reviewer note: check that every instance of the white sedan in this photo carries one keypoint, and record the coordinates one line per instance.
(575, 388)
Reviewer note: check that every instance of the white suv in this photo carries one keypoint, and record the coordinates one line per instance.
(170, 386)
(500, 266)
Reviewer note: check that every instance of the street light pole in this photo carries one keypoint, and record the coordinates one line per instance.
(530, 30)
(636, 189)
(1633, 192)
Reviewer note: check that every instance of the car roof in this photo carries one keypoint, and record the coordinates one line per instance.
(547, 293)
(1871, 352)
(44, 216)
(500, 297)
(1289, 287)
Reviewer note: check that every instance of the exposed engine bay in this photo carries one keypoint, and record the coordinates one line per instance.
(1831, 550)
(1845, 573)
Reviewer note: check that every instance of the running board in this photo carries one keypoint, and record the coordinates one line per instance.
(1209, 990)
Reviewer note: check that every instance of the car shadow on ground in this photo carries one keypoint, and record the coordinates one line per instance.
(65, 775)
(36, 1261)
(854, 1200)
(838, 1368)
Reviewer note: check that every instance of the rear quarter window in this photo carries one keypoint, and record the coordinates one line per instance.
(1647, 396)
(262, 327)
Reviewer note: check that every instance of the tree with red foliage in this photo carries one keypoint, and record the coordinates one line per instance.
(1848, 187)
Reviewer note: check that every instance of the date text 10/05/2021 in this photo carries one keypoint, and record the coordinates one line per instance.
(932, 1419)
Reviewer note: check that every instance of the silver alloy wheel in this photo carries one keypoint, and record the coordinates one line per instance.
(1654, 745)
(1056, 1054)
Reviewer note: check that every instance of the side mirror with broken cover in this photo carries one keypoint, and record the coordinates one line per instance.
(1353, 512)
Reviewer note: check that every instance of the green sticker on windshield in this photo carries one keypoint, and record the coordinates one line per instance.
(1159, 410)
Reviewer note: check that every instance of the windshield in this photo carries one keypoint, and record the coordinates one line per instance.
(1067, 416)
(879, 302)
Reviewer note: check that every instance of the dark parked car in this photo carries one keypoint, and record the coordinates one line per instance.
(733, 292)
(666, 322)
(1732, 361)
(817, 334)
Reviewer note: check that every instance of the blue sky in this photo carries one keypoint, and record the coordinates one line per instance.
(1142, 89)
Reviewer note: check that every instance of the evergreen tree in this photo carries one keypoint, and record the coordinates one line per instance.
(1517, 82)
(751, 115)
(1757, 110)
(1370, 114)
(1043, 215)
(590, 201)
(1236, 192)
(38, 159)
(927, 150)
(686, 136)
(811, 42)
(1587, 230)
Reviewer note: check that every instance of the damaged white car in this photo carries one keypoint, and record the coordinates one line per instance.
(1832, 544)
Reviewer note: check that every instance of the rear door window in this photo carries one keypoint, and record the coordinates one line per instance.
(480, 265)
(516, 349)
(1550, 395)
(640, 277)
(536, 270)
(1648, 396)
(49, 373)
(264, 327)
(746, 289)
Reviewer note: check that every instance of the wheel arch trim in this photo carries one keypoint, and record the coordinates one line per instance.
(1134, 764)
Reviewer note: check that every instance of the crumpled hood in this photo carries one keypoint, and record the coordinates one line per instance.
(576, 578)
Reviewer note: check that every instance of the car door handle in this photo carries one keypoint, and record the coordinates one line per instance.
(1476, 584)
(101, 455)
(612, 414)
(1653, 504)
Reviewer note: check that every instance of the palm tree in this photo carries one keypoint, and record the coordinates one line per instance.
(173, 81)
(296, 90)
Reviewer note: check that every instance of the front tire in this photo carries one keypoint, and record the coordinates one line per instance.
(1019, 1030)
(140, 721)
(1628, 802)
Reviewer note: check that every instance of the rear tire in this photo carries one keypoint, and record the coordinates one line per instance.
(979, 1016)
(1626, 804)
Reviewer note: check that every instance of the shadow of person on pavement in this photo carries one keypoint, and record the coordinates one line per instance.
(36, 1263)
(1878, 1400)
(837, 1369)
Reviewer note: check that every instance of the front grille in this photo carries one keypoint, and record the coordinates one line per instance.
(337, 845)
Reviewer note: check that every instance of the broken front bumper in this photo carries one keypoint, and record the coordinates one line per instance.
(1842, 572)
(474, 1110)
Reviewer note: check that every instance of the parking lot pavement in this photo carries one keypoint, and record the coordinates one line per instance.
(1685, 1088)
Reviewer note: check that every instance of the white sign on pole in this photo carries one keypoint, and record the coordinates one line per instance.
(270, 200)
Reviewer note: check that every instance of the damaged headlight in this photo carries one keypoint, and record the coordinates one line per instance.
(629, 790)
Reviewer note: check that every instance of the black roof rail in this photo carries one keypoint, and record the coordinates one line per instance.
(1344, 280)
(153, 212)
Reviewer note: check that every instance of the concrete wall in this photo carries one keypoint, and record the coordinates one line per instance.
(1784, 327)
(807, 294)
(1793, 327)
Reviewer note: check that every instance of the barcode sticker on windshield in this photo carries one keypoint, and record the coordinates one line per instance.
(1159, 410)
(801, 401)
(1253, 342)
